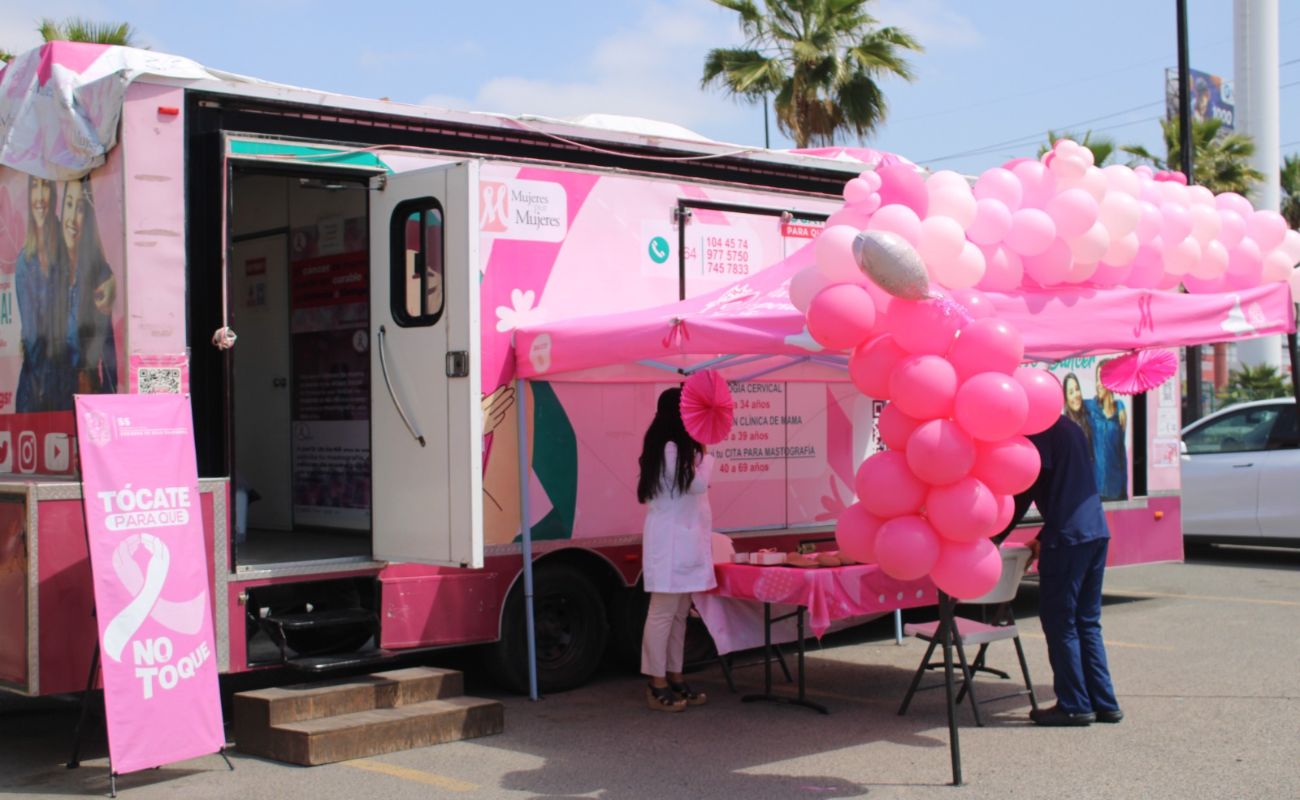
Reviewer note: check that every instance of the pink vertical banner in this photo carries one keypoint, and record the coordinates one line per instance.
(141, 495)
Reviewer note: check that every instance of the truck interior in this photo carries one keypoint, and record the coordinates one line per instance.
(299, 372)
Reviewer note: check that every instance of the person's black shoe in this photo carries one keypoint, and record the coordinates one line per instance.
(1110, 716)
(1057, 717)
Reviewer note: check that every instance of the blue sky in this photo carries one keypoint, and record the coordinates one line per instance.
(996, 74)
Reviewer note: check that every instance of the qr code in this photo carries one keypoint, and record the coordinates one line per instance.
(159, 380)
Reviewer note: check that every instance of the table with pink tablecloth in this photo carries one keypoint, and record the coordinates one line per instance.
(824, 594)
(828, 593)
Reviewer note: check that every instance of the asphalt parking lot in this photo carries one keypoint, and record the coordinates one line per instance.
(1204, 656)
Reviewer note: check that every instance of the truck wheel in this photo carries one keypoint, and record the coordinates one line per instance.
(571, 632)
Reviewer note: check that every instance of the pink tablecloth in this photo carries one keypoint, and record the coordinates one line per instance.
(829, 593)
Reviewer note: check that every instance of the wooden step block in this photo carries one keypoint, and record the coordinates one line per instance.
(399, 687)
(385, 730)
(255, 712)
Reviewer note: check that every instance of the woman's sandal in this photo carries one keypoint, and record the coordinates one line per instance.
(661, 698)
(689, 695)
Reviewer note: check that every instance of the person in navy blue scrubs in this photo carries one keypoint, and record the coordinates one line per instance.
(1071, 551)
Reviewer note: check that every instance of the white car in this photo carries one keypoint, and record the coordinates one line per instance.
(1241, 475)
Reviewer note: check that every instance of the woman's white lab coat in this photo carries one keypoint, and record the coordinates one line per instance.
(676, 548)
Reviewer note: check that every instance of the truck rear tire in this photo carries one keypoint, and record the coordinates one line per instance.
(572, 631)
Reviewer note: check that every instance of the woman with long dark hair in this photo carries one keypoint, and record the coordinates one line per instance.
(41, 286)
(91, 341)
(676, 548)
(1074, 407)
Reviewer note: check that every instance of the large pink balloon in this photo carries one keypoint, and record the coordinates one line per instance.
(833, 253)
(1043, 391)
(1037, 184)
(899, 220)
(962, 272)
(1007, 467)
(924, 386)
(1234, 202)
(998, 184)
(855, 533)
(1050, 267)
(1214, 260)
(1032, 231)
(873, 363)
(967, 570)
(1148, 266)
(841, 316)
(962, 511)
(1267, 228)
(1245, 266)
(978, 305)
(1149, 220)
(1006, 510)
(923, 327)
(1231, 228)
(886, 486)
(940, 452)
(1175, 222)
(1003, 269)
(1120, 213)
(991, 223)
(986, 345)
(991, 406)
(903, 185)
(805, 285)
(895, 427)
(1074, 211)
(1089, 247)
(906, 548)
(941, 240)
(952, 199)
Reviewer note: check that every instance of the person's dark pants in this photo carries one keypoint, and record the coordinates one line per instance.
(1070, 610)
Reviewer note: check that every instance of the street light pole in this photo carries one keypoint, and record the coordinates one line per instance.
(1193, 405)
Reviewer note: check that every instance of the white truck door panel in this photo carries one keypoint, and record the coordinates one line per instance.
(426, 419)
(1220, 492)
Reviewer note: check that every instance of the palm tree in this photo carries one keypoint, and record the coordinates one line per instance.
(821, 60)
(1291, 191)
(1219, 163)
(1102, 148)
(1255, 383)
(78, 29)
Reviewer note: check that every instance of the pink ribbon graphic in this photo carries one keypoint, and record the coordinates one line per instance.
(182, 617)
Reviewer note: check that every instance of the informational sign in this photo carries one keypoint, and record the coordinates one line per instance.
(330, 375)
(147, 555)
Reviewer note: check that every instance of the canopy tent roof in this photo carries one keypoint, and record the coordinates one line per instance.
(749, 328)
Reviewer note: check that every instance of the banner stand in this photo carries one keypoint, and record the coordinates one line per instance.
(153, 518)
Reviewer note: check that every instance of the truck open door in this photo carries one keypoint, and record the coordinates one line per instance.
(426, 417)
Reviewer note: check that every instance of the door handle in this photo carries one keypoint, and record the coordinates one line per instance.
(383, 367)
(1243, 466)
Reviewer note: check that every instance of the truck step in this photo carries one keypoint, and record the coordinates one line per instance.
(318, 665)
(338, 617)
(355, 717)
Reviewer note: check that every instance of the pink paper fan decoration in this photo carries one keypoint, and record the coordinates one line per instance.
(1139, 371)
(707, 407)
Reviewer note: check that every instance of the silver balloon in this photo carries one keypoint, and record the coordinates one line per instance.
(892, 262)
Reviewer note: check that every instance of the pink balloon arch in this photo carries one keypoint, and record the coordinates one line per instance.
(896, 282)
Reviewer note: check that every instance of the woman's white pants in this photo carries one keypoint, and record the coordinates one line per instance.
(664, 639)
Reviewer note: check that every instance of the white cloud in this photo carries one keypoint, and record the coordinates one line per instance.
(649, 70)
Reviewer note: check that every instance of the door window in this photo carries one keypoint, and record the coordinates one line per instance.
(1242, 431)
(417, 262)
(1285, 435)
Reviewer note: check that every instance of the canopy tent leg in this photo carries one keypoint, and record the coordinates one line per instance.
(526, 531)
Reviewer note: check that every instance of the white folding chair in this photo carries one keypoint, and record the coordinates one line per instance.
(1001, 625)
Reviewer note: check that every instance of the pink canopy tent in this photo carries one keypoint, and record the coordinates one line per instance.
(750, 328)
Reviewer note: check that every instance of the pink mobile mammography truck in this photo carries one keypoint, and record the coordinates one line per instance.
(336, 282)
